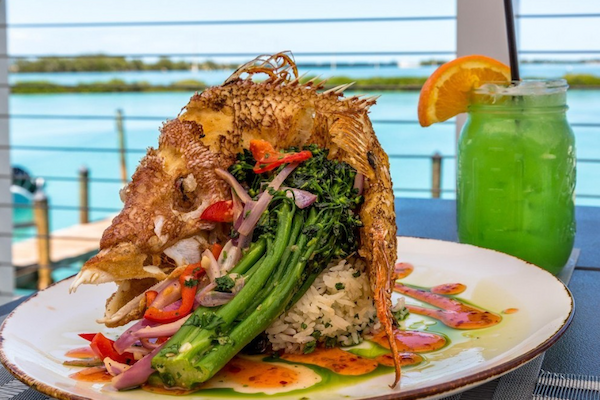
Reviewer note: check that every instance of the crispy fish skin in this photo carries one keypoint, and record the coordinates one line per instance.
(286, 113)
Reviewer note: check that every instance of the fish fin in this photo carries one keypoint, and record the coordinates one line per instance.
(339, 89)
(348, 132)
(297, 80)
(275, 65)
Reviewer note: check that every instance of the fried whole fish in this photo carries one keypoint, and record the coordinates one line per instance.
(159, 228)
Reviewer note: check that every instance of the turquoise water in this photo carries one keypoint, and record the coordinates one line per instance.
(217, 77)
(397, 139)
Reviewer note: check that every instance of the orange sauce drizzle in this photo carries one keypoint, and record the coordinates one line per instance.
(452, 312)
(413, 341)
(402, 270)
(405, 359)
(257, 374)
(449, 288)
(339, 361)
(81, 353)
(97, 376)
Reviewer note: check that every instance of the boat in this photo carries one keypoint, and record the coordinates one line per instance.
(23, 189)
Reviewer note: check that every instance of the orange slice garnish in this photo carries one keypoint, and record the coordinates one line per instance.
(446, 93)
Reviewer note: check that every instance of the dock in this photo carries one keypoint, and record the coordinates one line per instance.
(66, 245)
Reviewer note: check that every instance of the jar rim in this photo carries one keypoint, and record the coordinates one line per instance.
(526, 87)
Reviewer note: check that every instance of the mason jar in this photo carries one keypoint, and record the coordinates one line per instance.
(516, 172)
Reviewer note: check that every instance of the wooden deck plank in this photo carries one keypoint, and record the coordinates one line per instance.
(65, 245)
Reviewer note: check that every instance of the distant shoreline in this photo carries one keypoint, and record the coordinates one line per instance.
(107, 63)
(576, 81)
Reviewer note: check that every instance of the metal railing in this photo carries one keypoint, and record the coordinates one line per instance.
(436, 158)
(121, 24)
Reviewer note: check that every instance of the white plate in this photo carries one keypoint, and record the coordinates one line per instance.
(36, 335)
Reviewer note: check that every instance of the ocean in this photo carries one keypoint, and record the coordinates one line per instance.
(411, 177)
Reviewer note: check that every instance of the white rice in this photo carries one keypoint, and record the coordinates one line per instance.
(344, 314)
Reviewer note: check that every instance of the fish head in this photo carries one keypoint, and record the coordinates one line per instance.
(163, 204)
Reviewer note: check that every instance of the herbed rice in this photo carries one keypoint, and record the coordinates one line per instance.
(339, 305)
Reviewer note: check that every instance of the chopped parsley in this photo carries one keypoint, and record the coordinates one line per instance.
(224, 284)
(310, 347)
(340, 286)
(208, 320)
(191, 282)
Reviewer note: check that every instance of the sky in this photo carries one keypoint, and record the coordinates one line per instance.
(535, 34)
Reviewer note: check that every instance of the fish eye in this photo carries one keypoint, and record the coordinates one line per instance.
(184, 195)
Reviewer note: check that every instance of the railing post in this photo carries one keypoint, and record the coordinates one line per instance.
(42, 223)
(436, 175)
(7, 272)
(84, 195)
(123, 155)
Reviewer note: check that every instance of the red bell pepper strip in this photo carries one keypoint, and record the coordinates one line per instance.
(263, 151)
(189, 285)
(104, 347)
(216, 250)
(267, 158)
(287, 158)
(221, 211)
(150, 297)
(87, 336)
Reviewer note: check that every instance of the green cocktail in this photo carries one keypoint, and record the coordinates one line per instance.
(516, 173)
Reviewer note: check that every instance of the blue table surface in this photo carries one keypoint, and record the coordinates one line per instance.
(577, 352)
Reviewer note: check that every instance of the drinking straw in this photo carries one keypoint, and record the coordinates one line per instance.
(512, 41)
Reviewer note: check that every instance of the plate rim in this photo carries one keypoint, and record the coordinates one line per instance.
(445, 388)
